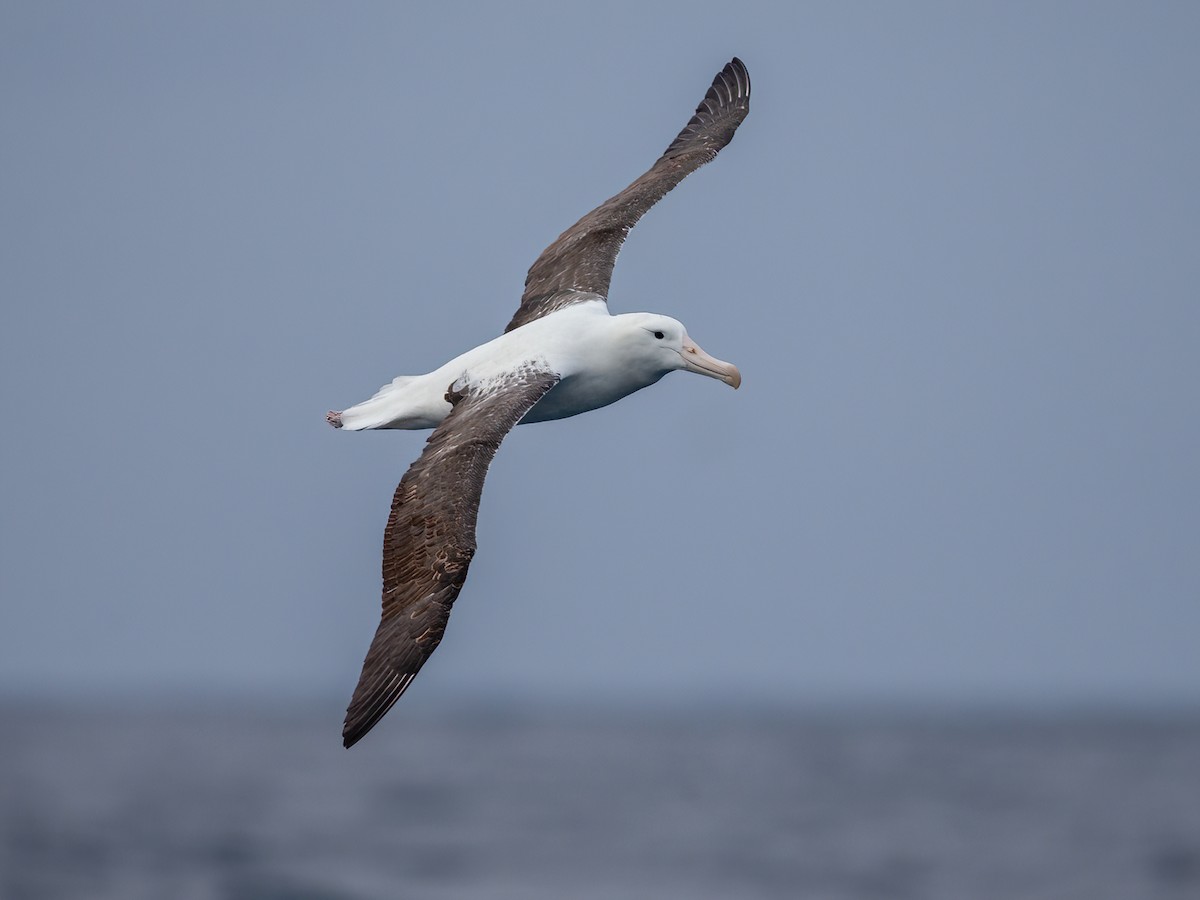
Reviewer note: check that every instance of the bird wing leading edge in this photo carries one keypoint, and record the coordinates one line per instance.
(578, 265)
(430, 537)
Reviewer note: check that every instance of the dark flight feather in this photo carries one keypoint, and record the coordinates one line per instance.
(578, 266)
(430, 538)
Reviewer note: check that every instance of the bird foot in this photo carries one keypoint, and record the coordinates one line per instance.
(334, 418)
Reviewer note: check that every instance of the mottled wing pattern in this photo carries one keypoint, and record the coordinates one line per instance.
(430, 537)
(578, 265)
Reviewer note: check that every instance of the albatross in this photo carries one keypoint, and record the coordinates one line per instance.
(561, 355)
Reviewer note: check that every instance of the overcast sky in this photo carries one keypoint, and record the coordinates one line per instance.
(954, 249)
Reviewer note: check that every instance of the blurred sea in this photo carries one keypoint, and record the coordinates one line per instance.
(198, 804)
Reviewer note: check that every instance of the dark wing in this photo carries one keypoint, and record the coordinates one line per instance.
(578, 265)
(430, 538)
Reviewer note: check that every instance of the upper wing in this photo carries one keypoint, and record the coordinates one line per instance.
(578, 265)
(430, 537)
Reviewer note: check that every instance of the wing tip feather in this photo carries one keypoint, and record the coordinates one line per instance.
(370, 706)
(728, 95)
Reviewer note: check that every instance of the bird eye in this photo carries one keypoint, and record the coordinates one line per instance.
(659, 335)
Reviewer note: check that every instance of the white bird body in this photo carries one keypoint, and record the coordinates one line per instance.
(598, 357)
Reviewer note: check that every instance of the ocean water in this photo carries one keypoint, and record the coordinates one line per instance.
(199, 804)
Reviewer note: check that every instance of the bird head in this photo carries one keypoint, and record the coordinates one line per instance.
(665, 342)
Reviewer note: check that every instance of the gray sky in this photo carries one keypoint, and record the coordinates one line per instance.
(954, 249)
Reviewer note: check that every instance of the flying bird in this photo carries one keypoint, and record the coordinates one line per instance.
(561, 355)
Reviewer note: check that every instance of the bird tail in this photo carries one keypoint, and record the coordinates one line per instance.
(381, 411)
